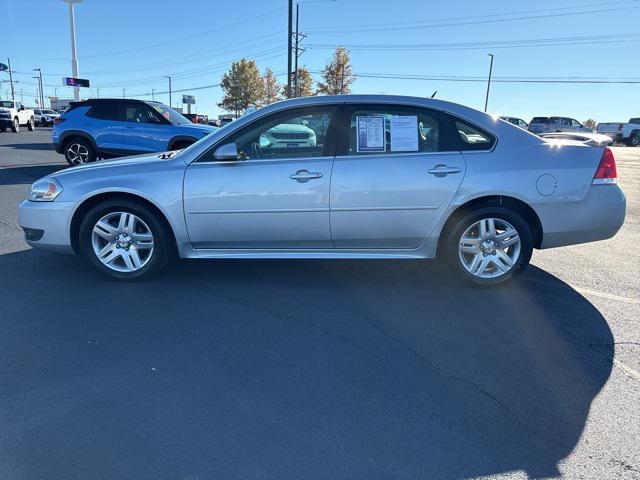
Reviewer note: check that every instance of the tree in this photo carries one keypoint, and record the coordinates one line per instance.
(242, 86)
(305, 82)
(271, 88)
(590, 123)
(337, 74)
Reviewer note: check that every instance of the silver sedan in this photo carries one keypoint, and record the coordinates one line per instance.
(387, 177)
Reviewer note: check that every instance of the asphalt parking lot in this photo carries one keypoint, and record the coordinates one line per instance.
(316, 369)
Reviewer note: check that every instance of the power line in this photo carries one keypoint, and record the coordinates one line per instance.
(464, 21)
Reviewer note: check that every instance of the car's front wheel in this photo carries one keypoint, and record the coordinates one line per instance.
(634, 140)
(489, 246)
(79, 151)
(31, 125)
(15, 126)
(125, 239)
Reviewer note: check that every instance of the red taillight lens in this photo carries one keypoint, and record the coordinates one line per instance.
(59, 120)
(606, 172)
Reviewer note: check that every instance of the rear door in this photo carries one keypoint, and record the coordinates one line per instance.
(396, 171)
(102, 121)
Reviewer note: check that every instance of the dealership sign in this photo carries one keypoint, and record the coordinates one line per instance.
(188, 99)
(75, 82)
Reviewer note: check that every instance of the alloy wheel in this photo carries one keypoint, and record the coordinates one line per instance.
(122, 242)
(77, 154)
(489, 248)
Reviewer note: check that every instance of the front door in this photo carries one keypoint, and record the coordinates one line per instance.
(275, 195)
(140, 129)
(395, 174)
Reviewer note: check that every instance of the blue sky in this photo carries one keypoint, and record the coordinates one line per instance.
(132, 44)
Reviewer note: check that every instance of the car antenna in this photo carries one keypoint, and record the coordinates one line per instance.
(434, 94)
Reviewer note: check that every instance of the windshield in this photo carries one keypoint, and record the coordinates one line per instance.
(169, 113)
(6, 104)
(48, 111)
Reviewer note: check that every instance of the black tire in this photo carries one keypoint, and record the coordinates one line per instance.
(454, 234)
(3, 129)
(74, 151)
(43, 122)
(163, 248)
(634, 139)
(15, 126)
(31, 124)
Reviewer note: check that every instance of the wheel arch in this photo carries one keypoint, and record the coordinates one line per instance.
(92, 201)
(528, 213)
(71, 134)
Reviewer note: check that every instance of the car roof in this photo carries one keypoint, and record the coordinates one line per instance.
(98, 101)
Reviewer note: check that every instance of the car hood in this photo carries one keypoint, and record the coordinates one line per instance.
(150, 158)
(198, 128)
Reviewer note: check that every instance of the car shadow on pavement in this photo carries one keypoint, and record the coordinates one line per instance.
(26, 174)
(291, 369)
(30, 146)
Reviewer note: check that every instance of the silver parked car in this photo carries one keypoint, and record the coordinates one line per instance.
(556, 124)
(388, 177)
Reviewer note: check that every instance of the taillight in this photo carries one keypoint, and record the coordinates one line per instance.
(59, 120)
(606, 172)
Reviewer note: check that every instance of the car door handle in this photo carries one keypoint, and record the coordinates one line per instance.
(442, 170)
(304, 176)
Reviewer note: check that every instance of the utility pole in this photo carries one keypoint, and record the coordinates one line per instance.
(74, 54)
(124, 91)
(486, 101)
(298, 52)
(167, 76)
(289, 48)
(39, 77)
(13, 95)
(153, 96)
(98, 91)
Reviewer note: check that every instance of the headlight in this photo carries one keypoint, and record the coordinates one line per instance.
(45, 190)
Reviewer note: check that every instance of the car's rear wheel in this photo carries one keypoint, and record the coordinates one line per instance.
(125, 240)
(79, 151)
(31, 125)
(489, 246)
(634, 140)
(15, 126)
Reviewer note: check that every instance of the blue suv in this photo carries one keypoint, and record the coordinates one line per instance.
(103, 128)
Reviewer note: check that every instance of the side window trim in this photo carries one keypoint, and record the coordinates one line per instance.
(329, 147)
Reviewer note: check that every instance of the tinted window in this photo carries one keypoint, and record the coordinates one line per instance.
(575, 123)
(634, 120)
(294, 134)
(540, 120)
(472, 137)
(105, 111)
(139, 113)
(376, 130)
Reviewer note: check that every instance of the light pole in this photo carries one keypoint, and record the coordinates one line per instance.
(486, 101)
(39, 77)
(74, 55)
(124, 91)
(153, 95)
(167, 76)
(13, 94)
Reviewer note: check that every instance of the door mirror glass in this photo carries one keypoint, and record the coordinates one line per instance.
(226, 152)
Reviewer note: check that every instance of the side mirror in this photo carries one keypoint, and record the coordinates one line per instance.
(226, 152)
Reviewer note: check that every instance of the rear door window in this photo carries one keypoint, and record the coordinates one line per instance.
(389, 129)
(540, 120)
(105, 111)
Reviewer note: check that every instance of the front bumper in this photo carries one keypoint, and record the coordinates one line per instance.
(6, 122)
(53, 218)
(598, 216)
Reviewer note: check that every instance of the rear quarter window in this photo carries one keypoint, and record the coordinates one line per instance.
(472, 137)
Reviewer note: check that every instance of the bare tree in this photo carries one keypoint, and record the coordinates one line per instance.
(337, 74)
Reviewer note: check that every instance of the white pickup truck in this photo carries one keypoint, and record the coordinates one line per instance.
(14, 114)
(628, 133)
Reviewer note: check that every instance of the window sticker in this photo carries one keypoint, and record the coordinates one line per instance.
(370, 134)
(404, 133)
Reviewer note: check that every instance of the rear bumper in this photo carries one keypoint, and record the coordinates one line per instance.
(49, 223)
(598, 216)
